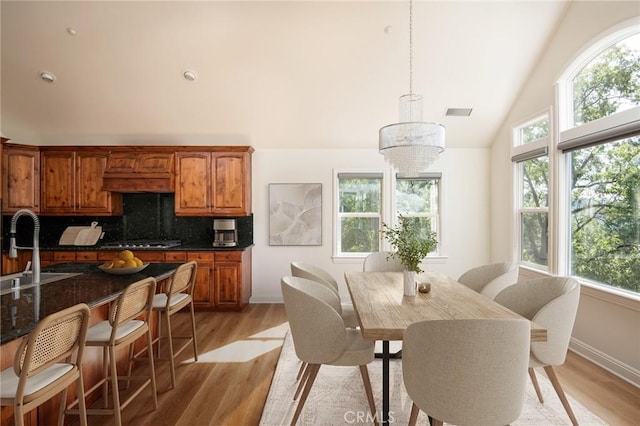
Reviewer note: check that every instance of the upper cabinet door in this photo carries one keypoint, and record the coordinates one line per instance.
(232, 177)
(72, 184)
(91, 199)
(20, 179)
(193, 183)
(58, 182)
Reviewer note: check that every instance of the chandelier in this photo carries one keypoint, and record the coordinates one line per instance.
(411, 145)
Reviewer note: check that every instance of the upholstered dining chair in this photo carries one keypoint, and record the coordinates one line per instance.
(466, 372)
(382, 261)
(46, 363)
(177, 294)
(553, 303)
(320, 336)
(128, 320)
(319, 275)
(490, 279)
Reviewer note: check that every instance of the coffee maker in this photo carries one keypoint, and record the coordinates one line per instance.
(225, 233)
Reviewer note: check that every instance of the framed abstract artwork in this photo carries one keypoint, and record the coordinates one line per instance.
(295, 214)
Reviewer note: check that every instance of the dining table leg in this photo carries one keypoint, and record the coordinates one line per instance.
(385, 382)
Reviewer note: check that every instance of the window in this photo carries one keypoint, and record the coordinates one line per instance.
(530, 141)
(359, 215)
(366, 200)
(418, 199)
(600, 141)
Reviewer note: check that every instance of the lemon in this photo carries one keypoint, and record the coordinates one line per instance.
(126, 255)
(118, 263)
(108, 265)
(130, 263)
(138, 261)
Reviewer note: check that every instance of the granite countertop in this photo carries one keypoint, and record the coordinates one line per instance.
(19, 312)
(181, 247)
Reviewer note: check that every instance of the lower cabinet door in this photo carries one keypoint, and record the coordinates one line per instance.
(203, 289)
(226, 279)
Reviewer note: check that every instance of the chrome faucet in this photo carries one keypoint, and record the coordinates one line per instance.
(13, 248)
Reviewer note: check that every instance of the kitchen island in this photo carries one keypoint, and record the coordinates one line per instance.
(21, 310)
(91, 286)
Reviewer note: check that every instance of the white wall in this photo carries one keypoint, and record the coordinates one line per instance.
(606, 330)
(465, 227)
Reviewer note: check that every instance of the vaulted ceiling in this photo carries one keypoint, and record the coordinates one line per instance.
(293, 74)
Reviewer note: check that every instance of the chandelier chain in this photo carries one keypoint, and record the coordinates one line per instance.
(411, 47)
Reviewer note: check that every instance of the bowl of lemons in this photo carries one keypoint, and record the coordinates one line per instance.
(123, 264)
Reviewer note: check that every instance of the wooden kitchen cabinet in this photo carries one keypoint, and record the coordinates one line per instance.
(216, 183)
(203, 290)
(72, 184)
(139, 171)
(20, 178)
(232, 279)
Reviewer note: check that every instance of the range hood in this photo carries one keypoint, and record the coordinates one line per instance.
(139, 172)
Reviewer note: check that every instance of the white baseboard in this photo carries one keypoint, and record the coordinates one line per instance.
(614, 366)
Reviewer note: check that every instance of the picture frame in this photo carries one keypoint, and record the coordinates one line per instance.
(295, 214)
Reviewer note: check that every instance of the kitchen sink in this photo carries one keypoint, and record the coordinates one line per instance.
(22, 281)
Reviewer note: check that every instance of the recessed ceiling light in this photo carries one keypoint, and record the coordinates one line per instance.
(459, 112)
(72, 31)
(189, 75)
(47, 77)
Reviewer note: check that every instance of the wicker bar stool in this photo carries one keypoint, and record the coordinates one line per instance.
(45, 365)
(178, 294)
(128, 320)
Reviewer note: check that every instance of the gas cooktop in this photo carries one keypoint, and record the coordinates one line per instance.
(143, 244)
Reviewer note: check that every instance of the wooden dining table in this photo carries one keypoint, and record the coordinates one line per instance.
(384, 312)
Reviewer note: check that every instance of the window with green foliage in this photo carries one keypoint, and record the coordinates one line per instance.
(602, 152)
(531, 140)
(418, 200)
(359, 213)
(363, 206)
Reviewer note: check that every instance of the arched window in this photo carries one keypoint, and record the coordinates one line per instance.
(599, 122)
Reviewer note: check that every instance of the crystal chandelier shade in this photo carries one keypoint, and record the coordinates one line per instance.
(411, 145)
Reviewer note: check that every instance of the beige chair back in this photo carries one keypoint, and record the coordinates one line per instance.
(382, 261)
(314, 273)
(135, 300)
(58, 340)
(182, 280)
(318, 332)
(490, 279)
(551, 302)
(467, 372)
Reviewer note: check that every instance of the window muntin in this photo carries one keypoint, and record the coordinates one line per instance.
(419, 200)
(604, 205)
(359, 213)
(608, 84)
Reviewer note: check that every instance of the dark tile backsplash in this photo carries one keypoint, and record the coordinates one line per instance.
(145, 216)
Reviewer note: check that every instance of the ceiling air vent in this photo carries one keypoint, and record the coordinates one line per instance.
(459, 112)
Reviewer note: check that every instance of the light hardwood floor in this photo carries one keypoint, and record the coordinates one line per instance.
(233, 393)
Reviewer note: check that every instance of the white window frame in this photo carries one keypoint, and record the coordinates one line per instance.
(437, 216)
(521, 152)
(609, 127)
(337, 215)
(388, 213)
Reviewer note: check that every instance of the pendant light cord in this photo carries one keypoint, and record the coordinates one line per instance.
(411, 47)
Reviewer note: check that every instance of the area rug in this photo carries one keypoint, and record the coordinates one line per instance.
(338, 398)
